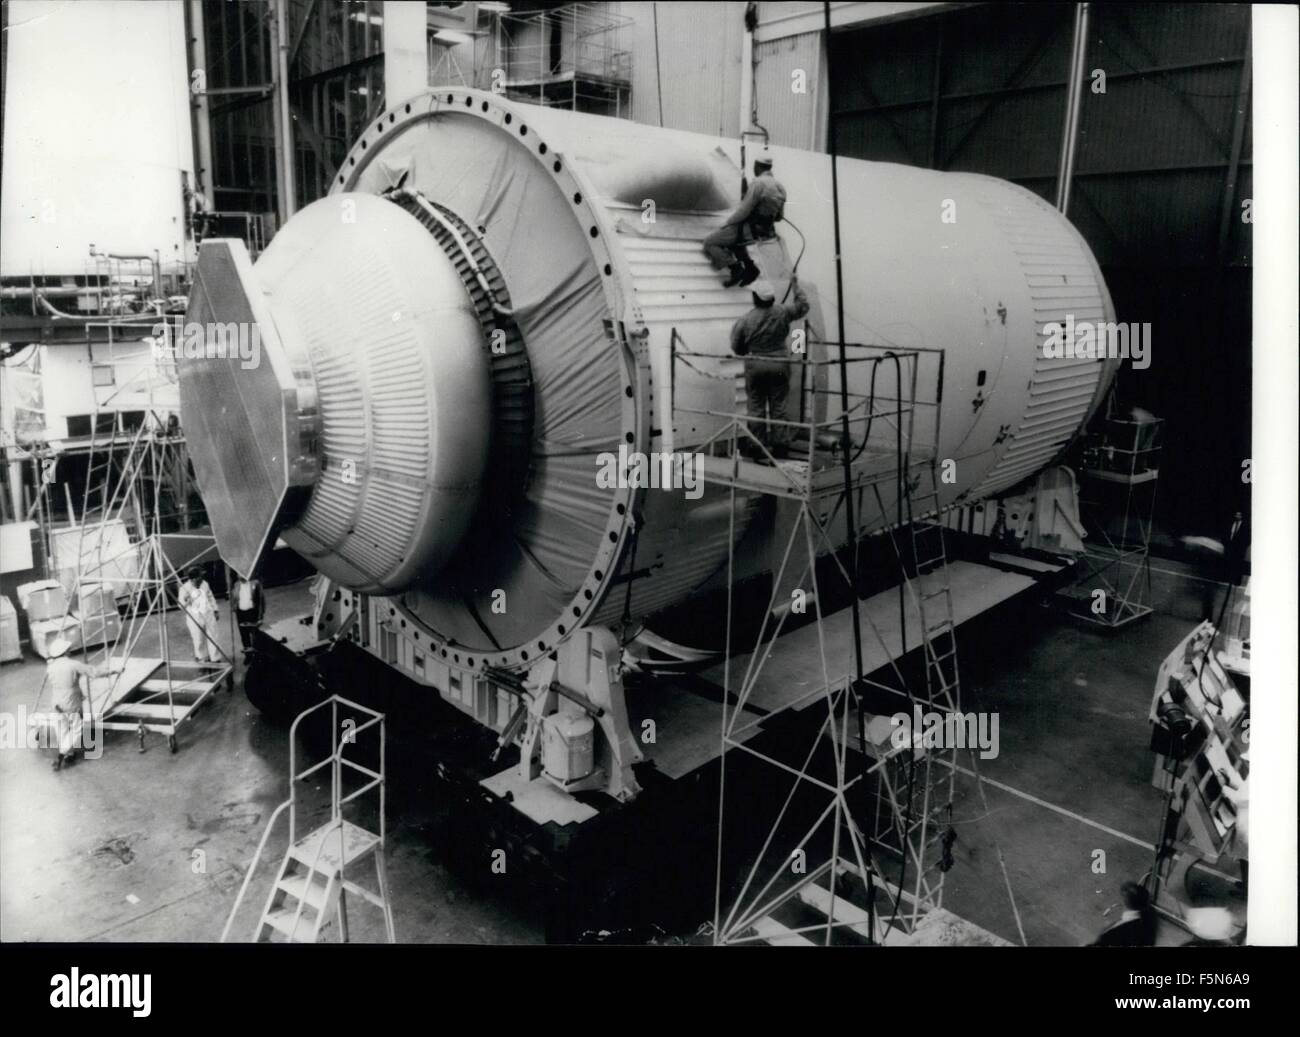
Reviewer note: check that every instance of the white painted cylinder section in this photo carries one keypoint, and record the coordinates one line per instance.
(595, 226)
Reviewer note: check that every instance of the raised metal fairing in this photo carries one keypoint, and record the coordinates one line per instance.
(250, 413)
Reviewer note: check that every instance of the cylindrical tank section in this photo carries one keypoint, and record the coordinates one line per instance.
(482, 337)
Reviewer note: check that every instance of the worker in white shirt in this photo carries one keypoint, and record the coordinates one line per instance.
(247, 598)
(201, 615)
(64, 677)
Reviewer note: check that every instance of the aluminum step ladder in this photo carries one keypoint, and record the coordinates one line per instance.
(311, 888)
(319, 869)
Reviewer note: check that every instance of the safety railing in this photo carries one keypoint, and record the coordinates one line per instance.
(336, 761)
(841, 432)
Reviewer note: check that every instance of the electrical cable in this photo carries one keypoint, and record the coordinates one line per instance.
(803, 245)
(659, 93)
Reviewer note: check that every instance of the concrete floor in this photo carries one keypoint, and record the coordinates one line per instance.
(109, 849)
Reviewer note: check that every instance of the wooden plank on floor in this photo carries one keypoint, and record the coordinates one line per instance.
(843, 913)
(779, 935)
(794, 668)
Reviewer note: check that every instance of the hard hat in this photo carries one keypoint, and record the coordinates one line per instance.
(58, 646)
(763, 291)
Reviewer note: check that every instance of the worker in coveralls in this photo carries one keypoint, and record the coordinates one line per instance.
(753, 220)
(201, 616)
(760, 336)
(64, 677)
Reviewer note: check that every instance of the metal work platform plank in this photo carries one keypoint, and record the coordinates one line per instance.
(320, 849)
(538, 800)
(149, 711)
(107, 691)
(794, 669)
(790, 478)
(777, 935)
(686, 726)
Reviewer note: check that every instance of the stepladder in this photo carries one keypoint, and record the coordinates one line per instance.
(311, 889)
(337, 861)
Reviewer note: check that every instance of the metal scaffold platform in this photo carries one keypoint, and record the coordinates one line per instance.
(1120, 472)
(118, 577)
(860, 846)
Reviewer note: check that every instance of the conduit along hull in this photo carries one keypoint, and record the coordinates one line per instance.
(487, 307)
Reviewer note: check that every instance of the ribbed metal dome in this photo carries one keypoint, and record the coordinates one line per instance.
(403, 389)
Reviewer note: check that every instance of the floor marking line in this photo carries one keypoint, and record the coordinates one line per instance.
(1060, 810)
(1077, 817)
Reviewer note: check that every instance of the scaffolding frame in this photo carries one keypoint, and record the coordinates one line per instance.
(1125, 455)
(903, 821)
(592, 65)
(129, 493)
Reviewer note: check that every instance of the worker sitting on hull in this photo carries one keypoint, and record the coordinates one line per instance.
(753, 220)
(760, 336)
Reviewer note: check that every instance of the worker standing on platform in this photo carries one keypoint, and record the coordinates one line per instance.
(246, 597)
(760, 336)
(753, 220)
(64, 677)
(201, 615)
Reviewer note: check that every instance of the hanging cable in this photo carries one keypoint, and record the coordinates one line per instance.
(659, 90)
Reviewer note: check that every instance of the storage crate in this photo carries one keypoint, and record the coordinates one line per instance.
(96, 599)
(99, 630)
(9, 646)
(42, 600)
(45, 631)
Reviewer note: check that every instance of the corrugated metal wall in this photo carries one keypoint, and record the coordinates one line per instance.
(789, 90)
(699, 64)
(983, 89)
(1157, 191)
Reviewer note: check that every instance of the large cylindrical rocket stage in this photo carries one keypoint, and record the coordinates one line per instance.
(486, 304)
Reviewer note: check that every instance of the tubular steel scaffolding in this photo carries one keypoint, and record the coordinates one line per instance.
(1120, 470)
(868, 469)
(116, 546)
(568, 56)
